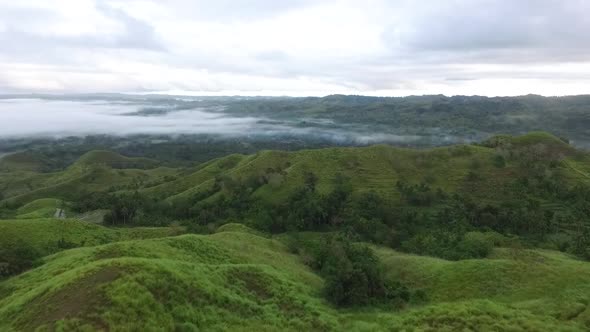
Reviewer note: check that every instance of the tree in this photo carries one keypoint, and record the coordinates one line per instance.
(475, 245)
(310, 180)
(124, 208)
(17, 258)
(499, 161)
(354, 274)
(582, 242)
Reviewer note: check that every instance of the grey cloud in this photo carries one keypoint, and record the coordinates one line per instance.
(274, 55)
(432, 41)
(137, 34)
(496, 24)
(18, 41)
(28, 16)
(234, 10)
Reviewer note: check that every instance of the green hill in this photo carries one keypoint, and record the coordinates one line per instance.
(40, 208)
(379, 167)
(485, 237)
(96, 171)
(240, 281)
(376, 168)
(537, 171)
(44, 235)
(22, 161)
(113, 160)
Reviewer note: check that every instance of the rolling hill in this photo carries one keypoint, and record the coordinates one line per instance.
(493, 236)
(375, 168)
(236, 280)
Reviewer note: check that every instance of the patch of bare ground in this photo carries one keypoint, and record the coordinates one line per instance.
(77, 300)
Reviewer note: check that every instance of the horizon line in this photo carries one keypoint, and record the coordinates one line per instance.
(199, 94)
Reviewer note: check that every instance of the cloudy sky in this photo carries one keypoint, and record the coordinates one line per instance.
(296, 47)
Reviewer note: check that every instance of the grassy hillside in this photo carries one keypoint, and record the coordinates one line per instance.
(114, 160)
(96, 171)
(40, 208)
(375, 168)
(236, 280)
(22, 161)
(378, 168)
(536, 179)
(484, 237)
(222, 281)
(44, 234)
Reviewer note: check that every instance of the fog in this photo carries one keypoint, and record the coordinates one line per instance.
(27, 118)
(35, 117)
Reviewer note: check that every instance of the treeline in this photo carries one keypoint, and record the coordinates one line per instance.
(427, 221)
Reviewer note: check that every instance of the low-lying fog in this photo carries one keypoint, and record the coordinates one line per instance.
(24, 118)
(36, 117)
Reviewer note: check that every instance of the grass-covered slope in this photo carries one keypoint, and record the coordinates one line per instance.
(114, 160)
(96, 171)
(375, 168)
(40, 208)
(22, 161)
(225, 281)
(82, 276)
(485, 172)
(236, 280)
(44, 235)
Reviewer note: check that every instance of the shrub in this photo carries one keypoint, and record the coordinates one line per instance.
(475, 245)
(62, 243)
(450, 245)
(499, 161)
(354, 275)
(17, 258)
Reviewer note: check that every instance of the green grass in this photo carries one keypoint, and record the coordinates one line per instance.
(114, 160)
(225, 281)
(78, 180)
(40, 208)
(378, 168)
(21, 161)
(44, 234)
(237, 280)
(375, 168)
(235, 227)
(43, 203)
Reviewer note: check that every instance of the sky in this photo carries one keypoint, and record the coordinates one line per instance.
(296, 47)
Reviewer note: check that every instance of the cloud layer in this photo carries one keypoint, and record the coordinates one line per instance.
(298, 47)
(26, 118)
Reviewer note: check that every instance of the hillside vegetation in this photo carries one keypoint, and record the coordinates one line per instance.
(241, 281)
(493, 236)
